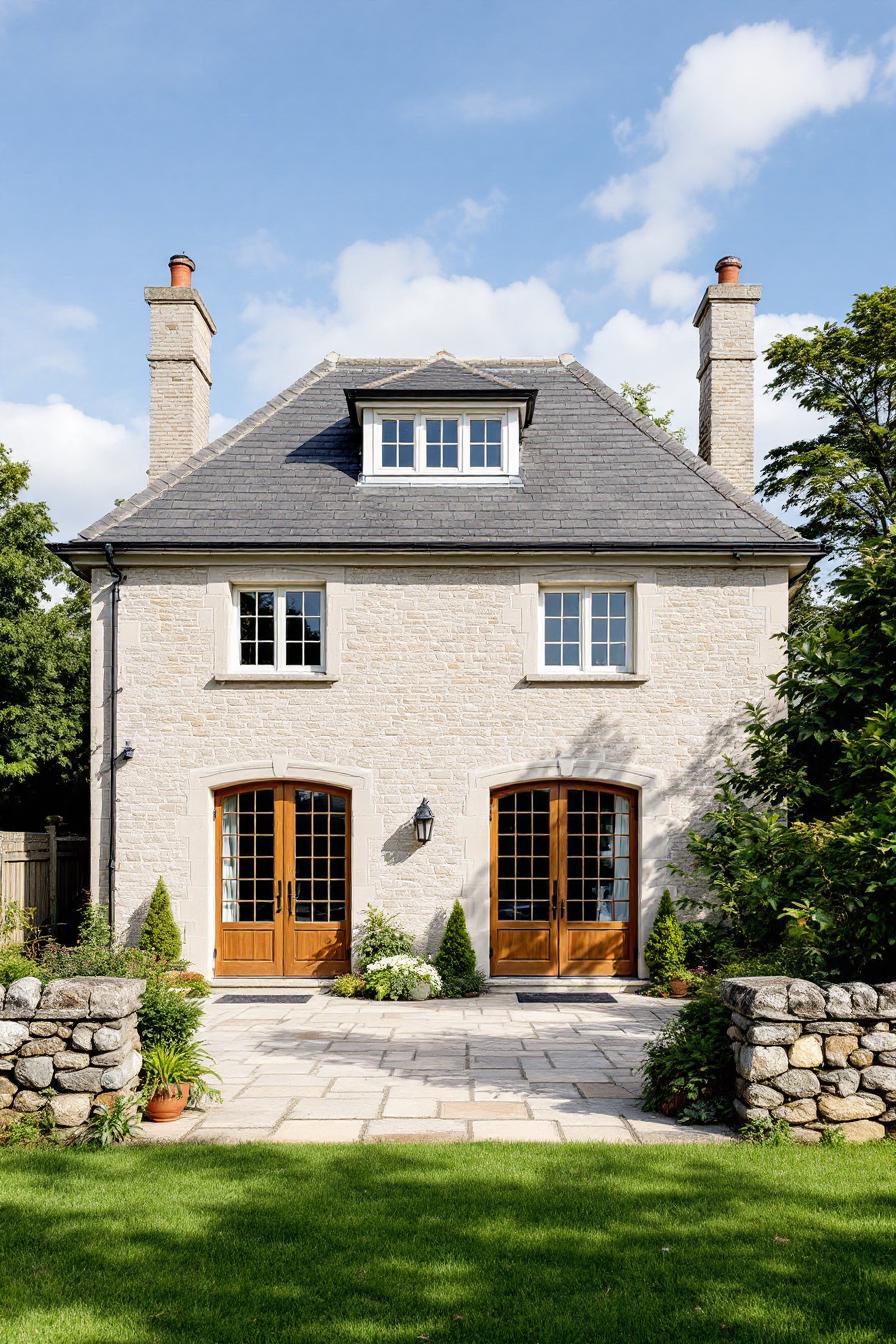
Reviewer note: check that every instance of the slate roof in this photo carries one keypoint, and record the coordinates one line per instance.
(595, 476)
(444, 374)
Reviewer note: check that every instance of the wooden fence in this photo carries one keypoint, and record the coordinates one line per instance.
(45, 873)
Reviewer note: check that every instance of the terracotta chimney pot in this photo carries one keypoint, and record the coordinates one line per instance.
(728, 270)
(182, 268)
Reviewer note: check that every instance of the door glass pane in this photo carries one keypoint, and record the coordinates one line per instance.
(320, 856)
(597, 856)
(523, 857)
(247, 857)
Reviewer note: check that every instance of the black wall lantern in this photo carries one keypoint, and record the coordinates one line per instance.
(423, 820)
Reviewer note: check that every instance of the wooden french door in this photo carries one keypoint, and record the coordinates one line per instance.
(563, 880)
(282, 860)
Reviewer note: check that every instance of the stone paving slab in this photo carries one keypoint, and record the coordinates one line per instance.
(336, 1070)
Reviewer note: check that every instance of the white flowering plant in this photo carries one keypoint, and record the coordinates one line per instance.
(397, 977)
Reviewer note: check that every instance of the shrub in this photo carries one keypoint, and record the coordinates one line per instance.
(58, 962)
(396, 977)
(94, 929)
(348, 986)
(691, 1059)
(664, 949)
(771, 1133)
(706, 945)
(167, 1016)
(15, 966)
(380, 936)
(30, 1131)
(455, 959)
(110, 1124)
(191, 983)
(160, 934)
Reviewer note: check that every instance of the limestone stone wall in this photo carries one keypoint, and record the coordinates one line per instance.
(67, 1046)
(819, 1058)
(432, 697)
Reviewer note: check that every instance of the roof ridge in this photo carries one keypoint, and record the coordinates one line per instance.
(717, 479)
(442, 356)
(159, 485)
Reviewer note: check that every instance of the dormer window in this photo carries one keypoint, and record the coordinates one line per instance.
(440, 423)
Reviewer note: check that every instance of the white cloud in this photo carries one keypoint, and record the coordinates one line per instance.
(469, 217)
(734, 95)
(259, 252)
(35, 336)
(628, 348)
(395, 299)
(675, 289)
(79, 464)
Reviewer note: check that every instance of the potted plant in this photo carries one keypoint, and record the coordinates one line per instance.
(173, 1073)
(680, 984)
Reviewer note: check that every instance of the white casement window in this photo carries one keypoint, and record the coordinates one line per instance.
(441, 444)
(280, 629)
(586, 630)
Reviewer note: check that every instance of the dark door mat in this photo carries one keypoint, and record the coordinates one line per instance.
(594, 997)
(263, 998)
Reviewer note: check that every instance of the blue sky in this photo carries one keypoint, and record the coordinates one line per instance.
(383, 176)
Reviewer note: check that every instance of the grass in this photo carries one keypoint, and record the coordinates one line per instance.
(384, 1244)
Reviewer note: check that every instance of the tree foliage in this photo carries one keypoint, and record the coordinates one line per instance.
(44, 670)
(455, 960)
(801, 841)
(843, 482)
(640, 395)
(664, 949)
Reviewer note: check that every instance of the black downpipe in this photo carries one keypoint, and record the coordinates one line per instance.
(115, 596)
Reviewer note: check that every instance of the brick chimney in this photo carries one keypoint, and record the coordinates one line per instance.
(180, 374)
(724, 320)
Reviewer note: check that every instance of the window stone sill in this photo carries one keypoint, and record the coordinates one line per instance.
(280, 678)
(579, 678)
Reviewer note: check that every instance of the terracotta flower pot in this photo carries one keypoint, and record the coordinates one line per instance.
(167, 1103)
(678, 988)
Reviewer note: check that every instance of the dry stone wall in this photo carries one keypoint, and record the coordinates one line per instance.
(67, 1046)
(819, 1058)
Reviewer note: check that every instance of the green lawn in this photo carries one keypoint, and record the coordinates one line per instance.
(518, 1243)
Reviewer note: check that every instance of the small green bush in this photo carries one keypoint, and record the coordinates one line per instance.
(160, 934)
(664, 949)
(691, 1059)
(110, 1124)
(768, 1132)
(348, 986)
(15, 966)
(455, 960)
(380, 936)
(58, 962)
(167, 1016)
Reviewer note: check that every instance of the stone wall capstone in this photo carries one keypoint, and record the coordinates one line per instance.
(67, 1046)
(818, 1058)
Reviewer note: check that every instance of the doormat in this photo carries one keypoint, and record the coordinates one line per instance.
(263, 998)
(593, 997)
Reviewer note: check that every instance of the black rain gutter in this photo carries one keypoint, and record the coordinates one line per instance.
(115, 597)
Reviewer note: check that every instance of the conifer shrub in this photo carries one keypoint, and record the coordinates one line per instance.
(664, 949)
(455, 960)
(160, 935)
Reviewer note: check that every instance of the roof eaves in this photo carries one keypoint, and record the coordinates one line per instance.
(719, 482)
(160, 484)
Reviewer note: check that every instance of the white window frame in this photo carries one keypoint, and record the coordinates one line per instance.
(280, 668)
(373, 470)
(585, 666)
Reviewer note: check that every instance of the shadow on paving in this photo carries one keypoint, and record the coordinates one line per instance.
(521, 1243)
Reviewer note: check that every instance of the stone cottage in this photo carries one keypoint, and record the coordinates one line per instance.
(488, 584)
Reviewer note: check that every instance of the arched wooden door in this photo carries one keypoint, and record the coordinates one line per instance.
(563, 880)
(283, 864)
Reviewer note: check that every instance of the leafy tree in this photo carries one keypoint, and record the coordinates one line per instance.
(44, 670)
(801, 841)
(640, 394)
(664, 949)
(160, 934)
(455, 960)
(843, 482)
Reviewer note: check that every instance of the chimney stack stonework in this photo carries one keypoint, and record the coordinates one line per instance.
(180, 376)
(725, 322)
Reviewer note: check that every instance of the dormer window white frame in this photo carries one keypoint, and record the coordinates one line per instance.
(448, 443)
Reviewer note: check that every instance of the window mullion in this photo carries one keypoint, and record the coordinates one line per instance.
(584, 630)
(279, 629)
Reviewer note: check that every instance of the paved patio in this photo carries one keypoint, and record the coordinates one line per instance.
(489, 1068)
